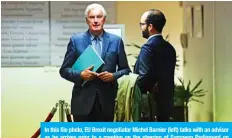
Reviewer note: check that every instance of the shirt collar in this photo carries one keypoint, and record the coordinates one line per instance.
(153, 36)
(100, 36)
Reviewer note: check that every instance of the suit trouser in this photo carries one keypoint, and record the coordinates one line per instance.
(163, 112)
(95, 115)
(163, 107)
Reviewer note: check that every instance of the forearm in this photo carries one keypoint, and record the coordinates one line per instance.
(123, 67)
(66, 70)
(122, 72)
(145, 69)
(71, 75)
(142, 83)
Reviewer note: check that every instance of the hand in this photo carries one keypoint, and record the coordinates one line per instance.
(87, 74)
(106, 76)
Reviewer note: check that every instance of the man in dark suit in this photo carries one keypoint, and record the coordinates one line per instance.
(156, 64)
(95, 100)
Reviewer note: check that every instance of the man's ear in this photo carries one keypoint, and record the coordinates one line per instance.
(104, 20)
(86, 19)
(150, 27)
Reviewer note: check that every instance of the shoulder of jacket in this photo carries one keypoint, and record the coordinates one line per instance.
(77, 35)
(113, 36)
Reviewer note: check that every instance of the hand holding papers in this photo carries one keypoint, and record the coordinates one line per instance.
(88, 62)
(106, 76)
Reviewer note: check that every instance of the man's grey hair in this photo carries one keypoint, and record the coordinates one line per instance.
(93, 6)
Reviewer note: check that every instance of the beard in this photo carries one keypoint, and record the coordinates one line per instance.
(145, 33)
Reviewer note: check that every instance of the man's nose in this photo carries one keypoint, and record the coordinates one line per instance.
(95, 19)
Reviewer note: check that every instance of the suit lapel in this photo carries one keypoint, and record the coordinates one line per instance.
(105, 44)
(86, 39)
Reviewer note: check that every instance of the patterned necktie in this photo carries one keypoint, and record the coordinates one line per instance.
(97, 45)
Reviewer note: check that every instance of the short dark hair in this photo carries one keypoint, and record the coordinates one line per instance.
(157, 19)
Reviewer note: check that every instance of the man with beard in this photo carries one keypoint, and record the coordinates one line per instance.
(156, 64)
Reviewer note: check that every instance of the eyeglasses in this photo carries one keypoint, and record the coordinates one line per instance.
(141, 24)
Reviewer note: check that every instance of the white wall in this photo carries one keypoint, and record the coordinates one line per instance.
(208, 58)
(199, 64)
(223, 63)
(28, 95)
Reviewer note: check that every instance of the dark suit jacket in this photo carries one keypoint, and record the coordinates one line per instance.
(155, 65)
(115, 59)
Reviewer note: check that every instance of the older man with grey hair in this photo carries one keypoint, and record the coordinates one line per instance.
(95, 100)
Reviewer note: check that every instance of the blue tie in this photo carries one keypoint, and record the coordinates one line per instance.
(97, 45)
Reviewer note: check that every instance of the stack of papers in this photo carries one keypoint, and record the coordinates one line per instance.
(87, 59)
